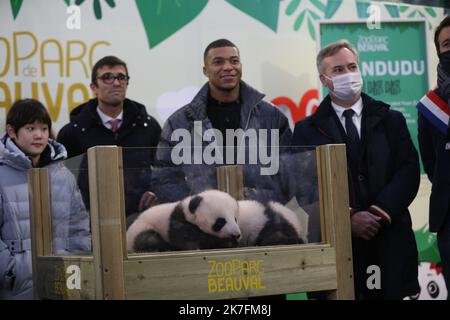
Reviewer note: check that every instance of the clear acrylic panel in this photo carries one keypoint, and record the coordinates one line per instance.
(277, 192)
(69, 200)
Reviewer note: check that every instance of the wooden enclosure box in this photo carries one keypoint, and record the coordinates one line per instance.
(111, 273)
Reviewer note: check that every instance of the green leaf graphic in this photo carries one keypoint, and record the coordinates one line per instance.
(361, 8)
(332, 7)
(163, 18)
(265, 11)
(97, 9)
(431, 12)
(327, 7)
(403, 8)
(319, 5)
(299, 21)
(312, 31)
(97, 6)
(393, 10)
(313, 14)
(412, 14)
(15, 6)
(292, 7)
(67, 2)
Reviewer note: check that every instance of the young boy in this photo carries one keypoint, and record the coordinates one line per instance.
(26, 145)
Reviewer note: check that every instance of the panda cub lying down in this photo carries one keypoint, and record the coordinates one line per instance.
(211, 220)
(268, 224)
(204, 221)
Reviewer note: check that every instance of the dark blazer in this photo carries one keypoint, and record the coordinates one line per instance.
(436, 163)
(392, 182)
(138, 135)
(86, 130)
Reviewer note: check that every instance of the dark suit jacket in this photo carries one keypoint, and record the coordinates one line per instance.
(138, 135)
(436, 162)
(392, 182)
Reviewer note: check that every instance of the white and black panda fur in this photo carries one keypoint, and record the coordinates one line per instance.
(204, 221)
(268, 224)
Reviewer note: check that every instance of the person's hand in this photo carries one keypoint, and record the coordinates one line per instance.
(365, 225)
(148, 199)
(443, 80)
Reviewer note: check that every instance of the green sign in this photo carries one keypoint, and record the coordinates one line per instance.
(393, 61)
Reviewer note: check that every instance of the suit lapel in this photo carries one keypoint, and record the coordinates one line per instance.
(325, 120)
(373, 113)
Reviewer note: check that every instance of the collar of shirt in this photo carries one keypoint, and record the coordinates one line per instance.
(357, 107)
(105, 118)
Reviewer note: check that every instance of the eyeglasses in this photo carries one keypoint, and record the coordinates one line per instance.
(109, 78)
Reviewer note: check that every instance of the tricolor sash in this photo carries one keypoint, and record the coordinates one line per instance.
(436, 110)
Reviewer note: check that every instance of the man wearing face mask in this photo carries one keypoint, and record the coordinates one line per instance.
(383, 171)
(434, 144)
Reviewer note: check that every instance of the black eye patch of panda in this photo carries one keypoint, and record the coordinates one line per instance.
(194, 203)
(218, 225)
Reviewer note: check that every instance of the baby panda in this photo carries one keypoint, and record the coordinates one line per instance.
(268, 224)
(204, 221)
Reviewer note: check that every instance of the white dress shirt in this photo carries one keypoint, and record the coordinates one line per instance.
(105, 118)
(357, 116)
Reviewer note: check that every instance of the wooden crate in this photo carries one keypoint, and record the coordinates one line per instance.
(111, 273)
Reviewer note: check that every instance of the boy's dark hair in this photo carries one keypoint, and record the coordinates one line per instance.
(109, 61)
(27, 111)
(220, 43)
(444, 23)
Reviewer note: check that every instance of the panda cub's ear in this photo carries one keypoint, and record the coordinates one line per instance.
(194, 203)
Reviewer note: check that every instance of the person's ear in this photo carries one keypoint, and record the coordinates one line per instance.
(323, 80)
(94, 88)
(11, 132)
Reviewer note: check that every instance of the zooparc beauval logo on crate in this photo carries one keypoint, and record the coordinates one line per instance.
(235, 275)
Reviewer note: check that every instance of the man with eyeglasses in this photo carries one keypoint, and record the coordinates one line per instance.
(112, 119)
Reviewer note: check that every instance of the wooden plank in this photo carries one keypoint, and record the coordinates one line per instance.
(123, 224)
(230, 179)
(322, 186)
(337, 225)
(238, 273)
(107, 223)
(57, 277)
(34, 198)
(46, 212)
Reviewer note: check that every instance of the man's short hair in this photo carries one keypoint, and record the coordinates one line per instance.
(220, 43)
(444, 23)
(331, 50)
(109, 61)
(27, 111)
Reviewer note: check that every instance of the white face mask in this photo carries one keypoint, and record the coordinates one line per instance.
(347, 85)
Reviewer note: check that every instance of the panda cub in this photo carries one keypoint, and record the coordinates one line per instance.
(268, 224)
(204, 221)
